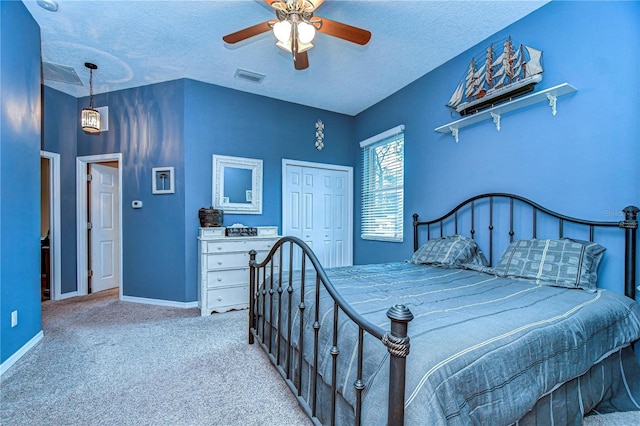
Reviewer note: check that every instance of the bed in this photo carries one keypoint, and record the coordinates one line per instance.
(538, 335)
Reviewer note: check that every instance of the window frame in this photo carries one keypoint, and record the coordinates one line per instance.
(368, 212)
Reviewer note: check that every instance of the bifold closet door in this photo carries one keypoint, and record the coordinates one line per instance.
(316, 211)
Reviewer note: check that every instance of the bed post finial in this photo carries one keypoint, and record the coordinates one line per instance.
(397, 342)
(630, 225)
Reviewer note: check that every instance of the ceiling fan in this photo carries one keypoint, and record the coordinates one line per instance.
(295, 27)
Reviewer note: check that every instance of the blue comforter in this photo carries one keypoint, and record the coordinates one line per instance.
(484, 349)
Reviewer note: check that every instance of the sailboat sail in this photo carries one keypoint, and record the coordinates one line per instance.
(498, 60)
(457, 96)
(499, 75)
(534, 65)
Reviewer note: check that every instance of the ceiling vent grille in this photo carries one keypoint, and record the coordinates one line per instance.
(55, 72)
(251, 76)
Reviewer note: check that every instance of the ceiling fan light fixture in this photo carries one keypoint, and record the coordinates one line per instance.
(306, 32)
(282, 31)
(295, 27)
(302, 47)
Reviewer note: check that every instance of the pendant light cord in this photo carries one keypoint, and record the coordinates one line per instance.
(90, 88)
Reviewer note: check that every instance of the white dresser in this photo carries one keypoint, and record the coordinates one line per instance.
(223, 267)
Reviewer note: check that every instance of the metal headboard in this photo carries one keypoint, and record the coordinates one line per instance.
(629, 224)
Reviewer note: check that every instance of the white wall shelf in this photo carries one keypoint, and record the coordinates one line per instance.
(495, 113)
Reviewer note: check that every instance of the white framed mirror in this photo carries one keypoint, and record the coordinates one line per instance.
(237, 184)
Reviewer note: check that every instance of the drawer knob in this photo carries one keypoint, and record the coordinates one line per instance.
(219, 248)
(219, 262)
(219, 278)
(219, 299)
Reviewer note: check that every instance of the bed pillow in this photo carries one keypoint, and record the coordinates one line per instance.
(450, 251)
(564, 263)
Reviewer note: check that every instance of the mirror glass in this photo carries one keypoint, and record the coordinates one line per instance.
(237, 184)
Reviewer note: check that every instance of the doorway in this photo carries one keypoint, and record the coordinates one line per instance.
(317, 207)
(99, 218)
(50, 228)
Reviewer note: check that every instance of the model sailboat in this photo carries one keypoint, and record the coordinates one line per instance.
(492, 79)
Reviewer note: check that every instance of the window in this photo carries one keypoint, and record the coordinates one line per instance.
(383, 186)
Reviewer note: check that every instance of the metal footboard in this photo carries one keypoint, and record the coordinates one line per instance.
(272, 285)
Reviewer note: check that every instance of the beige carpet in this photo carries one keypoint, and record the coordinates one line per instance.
(107, 362)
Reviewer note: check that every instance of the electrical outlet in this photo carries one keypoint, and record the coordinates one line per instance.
(14, 318)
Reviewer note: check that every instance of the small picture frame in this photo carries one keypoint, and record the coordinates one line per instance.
(162, 180)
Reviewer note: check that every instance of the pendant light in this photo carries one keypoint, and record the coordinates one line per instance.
(90, 118)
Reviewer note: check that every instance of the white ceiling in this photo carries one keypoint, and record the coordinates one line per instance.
(135, 43)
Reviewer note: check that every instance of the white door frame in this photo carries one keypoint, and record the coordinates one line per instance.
(82, 198)
(349, 204)
(55, 235)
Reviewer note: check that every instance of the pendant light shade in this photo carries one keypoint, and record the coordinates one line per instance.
(90, 118)
(282, 31)
(306, 32)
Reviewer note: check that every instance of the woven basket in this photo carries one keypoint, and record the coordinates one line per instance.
(210, 217)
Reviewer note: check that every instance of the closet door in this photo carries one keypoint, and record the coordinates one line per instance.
(317, 210)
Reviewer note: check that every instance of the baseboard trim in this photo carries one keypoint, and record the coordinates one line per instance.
(20, 352)
(67, 295)
(160, 302)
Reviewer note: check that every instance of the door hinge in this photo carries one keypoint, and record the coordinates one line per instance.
(89, 178)
(89, 225)
(90, 273)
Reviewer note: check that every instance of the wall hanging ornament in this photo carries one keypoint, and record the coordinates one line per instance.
(319, 135)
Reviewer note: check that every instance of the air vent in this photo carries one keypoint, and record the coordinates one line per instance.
(253, 77)
(55, 72)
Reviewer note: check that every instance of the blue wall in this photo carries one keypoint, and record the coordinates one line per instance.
(60, 116)
(591, 146)
(583, 162)
(19, 177)
(182, 124)
(227, 122)
(146, 126)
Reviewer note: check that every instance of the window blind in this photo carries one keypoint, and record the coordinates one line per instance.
(382, 207)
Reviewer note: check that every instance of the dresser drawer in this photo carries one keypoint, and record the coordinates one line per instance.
(241, 246)
(224, 298)
(230, 260)
(228, 277)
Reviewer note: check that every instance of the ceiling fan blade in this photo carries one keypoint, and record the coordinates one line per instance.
(246, 33)
(301, 60)
(345, 32)
(316, 3)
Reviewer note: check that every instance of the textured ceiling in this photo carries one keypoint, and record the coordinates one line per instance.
(135, 43)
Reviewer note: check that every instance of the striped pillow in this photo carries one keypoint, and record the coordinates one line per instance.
(564, 263)
(450, 251)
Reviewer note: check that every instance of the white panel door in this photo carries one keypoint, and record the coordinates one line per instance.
(316, 211)
(104, 227)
